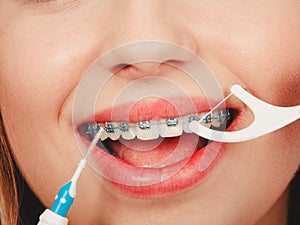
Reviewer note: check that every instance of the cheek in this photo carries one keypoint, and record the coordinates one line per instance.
(38, 75)
(286, 87)
(262, 49)
(39, 71)
(33, 80)
(40, 68)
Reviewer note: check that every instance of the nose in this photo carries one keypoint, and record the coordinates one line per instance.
(149, 20)
(146, 58)
(145, 20)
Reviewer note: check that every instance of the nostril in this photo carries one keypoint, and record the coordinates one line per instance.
(120, 66)
(128, 71)
(138, 70)
(174, 62)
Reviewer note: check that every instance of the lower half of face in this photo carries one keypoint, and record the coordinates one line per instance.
(173, 177)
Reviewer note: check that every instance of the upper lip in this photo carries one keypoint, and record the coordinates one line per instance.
(154, 109)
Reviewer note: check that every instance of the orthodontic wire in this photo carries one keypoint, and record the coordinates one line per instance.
(156, 123)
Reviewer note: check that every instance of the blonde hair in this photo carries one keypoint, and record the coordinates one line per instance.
(9, 207)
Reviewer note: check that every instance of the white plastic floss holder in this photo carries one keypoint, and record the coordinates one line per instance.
(261, 125)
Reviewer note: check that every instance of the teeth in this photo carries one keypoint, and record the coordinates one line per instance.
(186, 121)
(127, 131)
(111, 131)
(149, 130)
(144, 125)
(129, 134)
(216, 122)
(145, 131)
(104, 136)
(170, 128)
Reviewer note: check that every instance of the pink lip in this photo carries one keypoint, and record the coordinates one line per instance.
(188, 175)
(151, 109)
(180, 176)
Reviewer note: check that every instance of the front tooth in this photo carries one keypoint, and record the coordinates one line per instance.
(145, 124)
(170, 128)
(111, 131)
(127, 131)
(104, 135)
(108, 129)
(186, 122)
(147, 131)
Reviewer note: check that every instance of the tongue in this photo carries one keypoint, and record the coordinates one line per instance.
(159, 152)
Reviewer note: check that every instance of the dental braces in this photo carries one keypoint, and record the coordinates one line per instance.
(219, 118)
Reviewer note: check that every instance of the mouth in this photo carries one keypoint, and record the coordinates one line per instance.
(148, 136)
(152, 146)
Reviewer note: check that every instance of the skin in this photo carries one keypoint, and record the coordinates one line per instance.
(46, 47)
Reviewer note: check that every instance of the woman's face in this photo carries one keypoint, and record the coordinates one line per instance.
(45, 48)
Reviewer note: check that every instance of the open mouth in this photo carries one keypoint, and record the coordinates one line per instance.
(149, 143)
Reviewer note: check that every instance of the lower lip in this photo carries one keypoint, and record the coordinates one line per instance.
(183, 180)
(188, 176)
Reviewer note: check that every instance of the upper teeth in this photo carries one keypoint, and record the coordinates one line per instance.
(152, 129)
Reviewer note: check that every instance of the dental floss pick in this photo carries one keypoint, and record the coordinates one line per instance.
(261, 125)
(65, 197)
